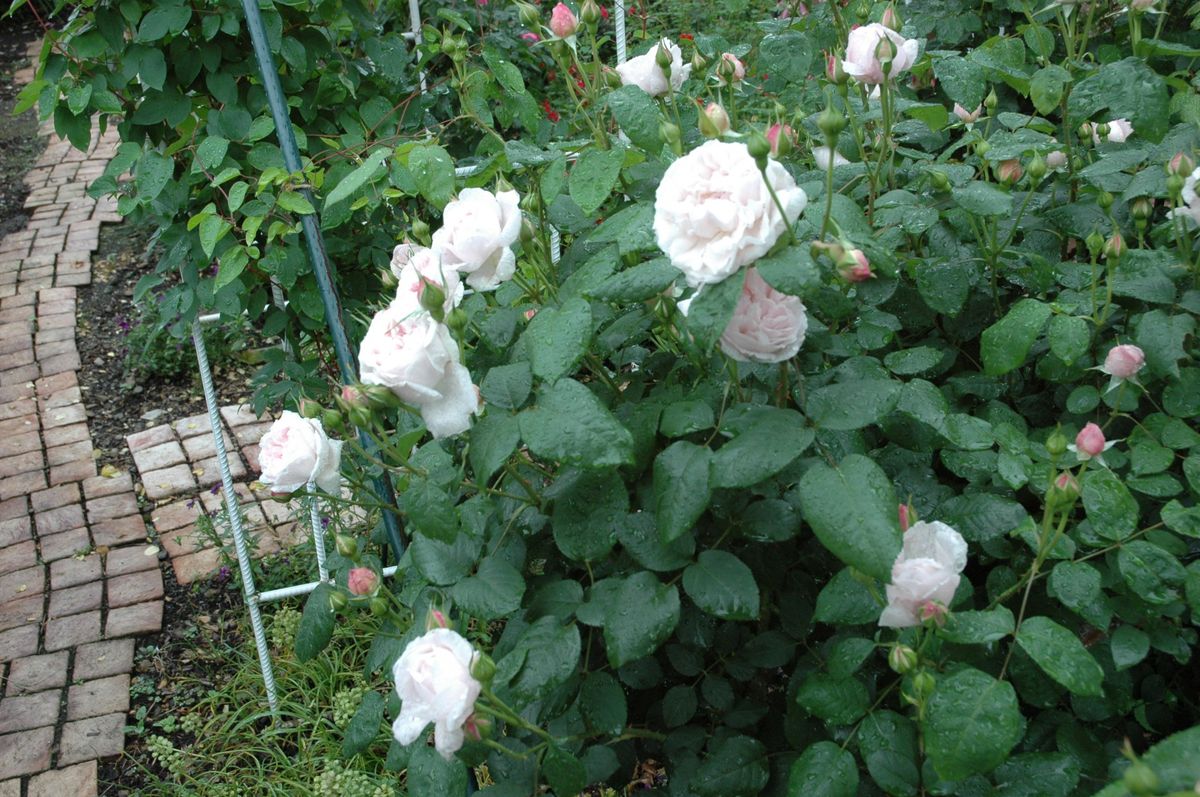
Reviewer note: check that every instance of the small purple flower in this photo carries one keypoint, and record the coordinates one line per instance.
(324, 522)
(216, 488)
(191, 504)
(123, 324)
(224, 573)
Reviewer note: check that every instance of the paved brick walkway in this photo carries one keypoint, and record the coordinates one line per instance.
(78, 580)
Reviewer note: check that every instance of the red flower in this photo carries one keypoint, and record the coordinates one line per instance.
(686, 37)
(551, 114)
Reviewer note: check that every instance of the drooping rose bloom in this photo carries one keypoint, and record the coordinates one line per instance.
(434, 682)
(965, 116)
(767, 326)
(863, 50)
(713, 213)
(822, 154)
(645, 73)
(417, 359)
(477, 230)
(925, 574)
(296, 451)
(414, 266)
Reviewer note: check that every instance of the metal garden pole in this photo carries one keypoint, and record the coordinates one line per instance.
(318, 530)
(249, 591)
(316, 246)
(619, 12)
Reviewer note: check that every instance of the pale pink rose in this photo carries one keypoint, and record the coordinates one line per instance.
(730, 69)
(767, 326)
(645, 73)
(295, 451)
(417, 359)
(1056, 159)
(434, 682)
(361, 581)
(713, 212)
(925, 574)
(1191, 206)
(863, 49)
(966, 116)
(1090, 442)
(1124, 361)
(414, 266)
(1118, 131)
(821, 158)
(478, 229)
(562, 21)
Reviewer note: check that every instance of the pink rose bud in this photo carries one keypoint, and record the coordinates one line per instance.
(531, 37)
(436, 619)
(353, 396)
(731, 69)
(1124, 361)
(933, 611)
(1114, 247)
(714, 122)
(1009, 171)
(1090, 441)
(1181, 164)
(362, 581)
(562, 21)
(834, 70)
(904, 518)
(966, 116)
(855, 267)
(1067, 483)
(1142, 5)
(781, 137)
(890, 18)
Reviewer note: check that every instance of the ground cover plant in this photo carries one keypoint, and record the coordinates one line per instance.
(849, 444)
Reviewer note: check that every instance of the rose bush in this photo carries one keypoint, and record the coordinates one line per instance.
(904, 503)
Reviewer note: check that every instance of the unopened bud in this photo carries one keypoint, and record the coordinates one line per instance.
(833, 69)
(310, 409)
(854, 266)
(1175, 186)
(1056, 159)
(419, 230)
(432, 298)
(380, 397)
(1009, 171)
(483, 669)
(662, 57)
(1102, 130)
(333, 421)
(1104, 200)
(832, 249)
(713, 121)
(1037, 168)
(885, 53)
(529, 15)
(589, 13)
(1095, 243)
(759, 148)
(1086, 131)
(669, 132)
(940, 181)
(730, 69)
(924, 683)
(891, 19)
(528, 231)
(698, 62)
(1181, 164)
(346, 546)
(1114, 247)
(338, 601)
(457, 320)
(902, 659)
(478, 727)
(1066, 488)
(612, 78)
(352, 396)
(990, 101)
(780, 137)
(362, 581)
(982, 148)
(1056, 444)
(1142, 208)
(379, 606)
(831, 123)
(563, 21)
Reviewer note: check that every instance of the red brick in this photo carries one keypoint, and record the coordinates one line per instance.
(14, 530)
(27, 712)
(14, 508)
(22, 485)
(60, 363)
(69, 572)
(22, 463)
(18, 557)
(17, 642)
(65, 632)
(21, 611)
(16, 359)
(110, 507)
(19, 425)
(74, 600)
(23, 374)
(176, 480)
(147, 438)
(241, 415)
(250, 435)
(175, 515)
(37, 673)
(16, 393)
(130, 559)
(101, 486)
(208, 472)
(26, 752)
(76, 781)
(158, 457)
(15, 445)
(64, 416)
(63, 435)
(68, 543)
(134, 588)
(102, 696)
(60, 455)
(49, 385)
(75, 471)
(119, 531)
(100, 659)
(195, 566)
(135, 620)
(97, 737)
(193, 425)
(22, 583)
(55, 497)
(64, 518)
(52, 349)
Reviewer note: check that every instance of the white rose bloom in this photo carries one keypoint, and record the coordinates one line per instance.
(926, 571)
(862, 61)
(414, 265)
(767, 326)
(1191, 202)
(1118, 131)
(821, 156)
(477, 230)
(296, 451)
(713, 213)
(645, 73)
(417, 359)
(434, 682)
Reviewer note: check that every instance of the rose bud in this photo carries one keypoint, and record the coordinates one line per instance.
(891, 19)
(834, 70)
(1114, 247)
(1142, 208)
(854, 266)
(562, 22)
(529, 15)
(362, 581)
(1056, 159)
(730, 69)
(310, 409)
(714, 121)
(902, 659)
(338, 601)
(1089, 442)
(1124, 361)
(1181, 164)
(965, 116)
(589, 13)
(781, 138)
(346, 546)
(1009, 171)
(1066, 485)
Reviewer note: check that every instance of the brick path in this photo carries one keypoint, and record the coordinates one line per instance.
(78, 581)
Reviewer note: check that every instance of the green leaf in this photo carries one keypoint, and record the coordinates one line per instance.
(679, 705)
(357, 178)
(641, 616)
(1006, 343)
(1061, 655)
(786, 56)
(971, 723)
(212, 229)
(153, 172)
(637, 284)
(506, 74)
(433, 172)
(494, 438)
(823, 770)
(590, 507)
(1046, 87)
(507, 386)
(962, 80)
(917, 360)
(681, 487)
(1076, 584)
(593, 177)
(294, 202)
(161, 21)
(603, 703)
(712, 308)
(212, 151)
(790, 270)
(737, 768)
(1129, 645)
(1127, 89)
(978, 628)
(364, 725)
(1182, 519)
(494, 591)
(1111, 509)
(772, 441)
(430, 775)
(840, 701)
(316, 623)
(569, 424)
(638, 115)
(557, 339)
(983, 199)
(564, 772)
(430, 509)
(1161, 338)
(722, 585)
(944, 286)
(1151, 573)
(682, 418)
(1070, 337)
(545, 657)
(852, 510)
(846, 600)
(853, 404)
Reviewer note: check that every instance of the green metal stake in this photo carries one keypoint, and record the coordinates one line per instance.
(316, 247)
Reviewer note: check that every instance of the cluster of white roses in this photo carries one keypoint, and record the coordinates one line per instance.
(408, 348)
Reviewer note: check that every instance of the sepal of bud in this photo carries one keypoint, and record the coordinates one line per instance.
(432, 298)
(333, 421)
(698, 62)
(346, 546)
(530, 17)
(380, 397)
(528, 232)
(436, 618)
(379, 606)
(1175, 186)
(781, 138)
(478, 727)
(982, 148)
(1037, 168)
(662, 57)
(854, 266)
(831, 123)
(990, 101)
(457, 320)
(338, 601)
(759, 148)
(669, 132)
(483, 668)
(924, 683)
(902, 659)
(1104, 199)
(310, 409)
(1142, 208)
(1095, 243)
(420, 232)
(940, 181)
